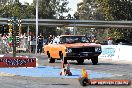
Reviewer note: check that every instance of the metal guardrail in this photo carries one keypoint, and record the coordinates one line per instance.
(73, 23)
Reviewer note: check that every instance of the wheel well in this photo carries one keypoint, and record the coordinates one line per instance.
(47, 52)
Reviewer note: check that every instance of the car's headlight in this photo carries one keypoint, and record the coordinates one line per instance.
(68, 50)
(97, 49)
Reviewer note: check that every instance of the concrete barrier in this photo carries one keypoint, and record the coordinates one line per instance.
(116, 52)
(1, 55)
(22, 49)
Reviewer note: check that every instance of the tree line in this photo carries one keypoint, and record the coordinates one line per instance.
(48, 9)
(107, 10)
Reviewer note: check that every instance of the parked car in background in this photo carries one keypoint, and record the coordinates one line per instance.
(72, 47)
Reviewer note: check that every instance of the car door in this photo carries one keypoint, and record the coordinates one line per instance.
(55, 48)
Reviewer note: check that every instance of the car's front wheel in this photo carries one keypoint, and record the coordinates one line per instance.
(94, 60)
(51, 60)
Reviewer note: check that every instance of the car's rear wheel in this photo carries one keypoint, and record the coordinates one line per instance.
(94, 60)
(80, 61)
(50, 59)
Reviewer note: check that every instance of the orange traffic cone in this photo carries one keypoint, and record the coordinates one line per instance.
(84, 74)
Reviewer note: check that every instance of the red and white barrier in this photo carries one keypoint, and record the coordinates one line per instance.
(1, 55)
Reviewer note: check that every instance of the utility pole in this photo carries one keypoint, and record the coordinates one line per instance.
(14, 37)
(36, 25)
(74, 28)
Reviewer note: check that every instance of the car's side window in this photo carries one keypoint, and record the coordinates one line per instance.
(84, 39)
(61, 40)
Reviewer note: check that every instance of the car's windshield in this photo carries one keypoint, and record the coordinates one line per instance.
(74, 39)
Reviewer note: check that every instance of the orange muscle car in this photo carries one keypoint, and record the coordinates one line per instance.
(72, 47)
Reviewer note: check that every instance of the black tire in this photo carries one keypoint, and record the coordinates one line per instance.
(84, 81)
(94, 60)
(50, 59)
(80, 61)
(65, 61)
(61, 57)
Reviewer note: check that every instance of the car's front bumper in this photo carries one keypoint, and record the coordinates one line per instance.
(83, 54)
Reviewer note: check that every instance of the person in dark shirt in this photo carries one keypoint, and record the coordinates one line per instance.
(50, 38)
(40, 43)
(33, 43)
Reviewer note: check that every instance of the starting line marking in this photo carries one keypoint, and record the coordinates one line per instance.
(48, 71)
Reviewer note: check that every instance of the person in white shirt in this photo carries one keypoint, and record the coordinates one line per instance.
(110, 41)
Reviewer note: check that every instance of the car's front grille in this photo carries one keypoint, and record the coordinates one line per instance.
(86, 49)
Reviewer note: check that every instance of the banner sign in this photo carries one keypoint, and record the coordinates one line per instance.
(116, 52)
(17, 62)
(109, 51)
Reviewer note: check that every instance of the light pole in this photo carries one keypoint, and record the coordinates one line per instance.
(36, 25)
(74, 30)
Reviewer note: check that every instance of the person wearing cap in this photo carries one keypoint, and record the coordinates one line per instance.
(110, 41)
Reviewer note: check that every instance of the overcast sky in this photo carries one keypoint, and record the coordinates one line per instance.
(72, 4)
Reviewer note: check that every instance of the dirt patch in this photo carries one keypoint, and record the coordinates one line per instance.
(5, 74)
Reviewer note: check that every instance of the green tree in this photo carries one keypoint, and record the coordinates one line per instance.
(117, 10)
(107, 10)
(61, 8)
(51, 9)
(89, 10)
(48, 9)
(16, 9)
